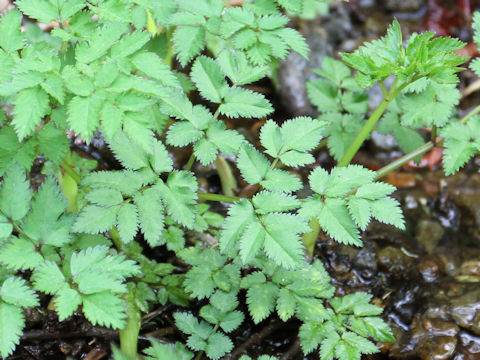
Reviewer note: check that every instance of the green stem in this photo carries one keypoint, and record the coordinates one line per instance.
(190, 162)
(227, 179)
(310, 238)
(364, 133)
(470, 114)
(433, 134)
(370, 124)
(404, 159)
(129, 335)
(69, 170)
(217, 197)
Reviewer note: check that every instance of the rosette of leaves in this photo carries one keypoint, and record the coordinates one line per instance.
(346, 200)
(344, 330)
(35, 235)
(138, 197)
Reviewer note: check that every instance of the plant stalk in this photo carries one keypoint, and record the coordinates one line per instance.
(404, 159)
(129, 335)
(227, 179)
(217, 197)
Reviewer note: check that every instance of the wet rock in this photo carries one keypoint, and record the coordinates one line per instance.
(468, 346)
(428, 339)
(395, 261)
(429, 233)
(431, 268)
(465, 310)
(470, 267)
(404, 5)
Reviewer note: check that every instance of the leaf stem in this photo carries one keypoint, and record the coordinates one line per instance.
(69, 170)
(370, 124)
(217, 197)
(470, 114)
(404, 159)
(227, 179)
(190, 162)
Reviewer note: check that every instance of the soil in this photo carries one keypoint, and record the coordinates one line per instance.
(427, 278)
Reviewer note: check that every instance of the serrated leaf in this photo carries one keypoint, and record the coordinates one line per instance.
(83, 115)
(286, 304)
(104, 309)
(95, 219)
(42, 10)
(48, 278)
(240, 102)
(15, 194)
(261, 301)
(31, 105)
(128, 152)
(188, 42)
(205, 151)
(388, 211)
(67, 300)
(183, 133)
(20, 253)
(49, 135)
(151, 65)
(12, 38)
(130, 43)
(14, 291)
(252, 164)
(281, 180)
(12, 323)
(127, 222)
(240, 215)
(218, 345)
(179, 195)
(150, 214)
(267, 201)
(336, 221)
(251, 241)
(209, 78)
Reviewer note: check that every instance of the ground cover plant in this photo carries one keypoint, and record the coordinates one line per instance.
(132, 70)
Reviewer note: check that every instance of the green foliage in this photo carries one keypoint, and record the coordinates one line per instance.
(107, 70)
(347, 199)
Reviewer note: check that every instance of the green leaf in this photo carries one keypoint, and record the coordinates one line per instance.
(188, 42)
(151, 65)
(183, 133)
(100, 42)
(333, 70)
(286, 304)
(20, 254)
(12, 323)
(12, 38)
(336, 221)
(48, 278)
(240, 102)
(128, 152)
(218, 345)
(388, 211)
(83, 115)
(459, 146)
(267, 201)
(282, 243)
(104, 309)
(130, 44)
(205, 151)
(252, 164)
(294, 40)
(150, 214)
(323, 95)
(14, 291)
(31, 105)
(95, 219)
(434, 106)
(15, 194)
(240, 215)
(77, 83)
(281, 180)
(127, 222)
(42, 10)
(251, 241)
(209, 79)
(327, 348)
(179, 195)
(104, 197)
(49, 135)
(363, 345)
(66, 302)
(261, 301)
